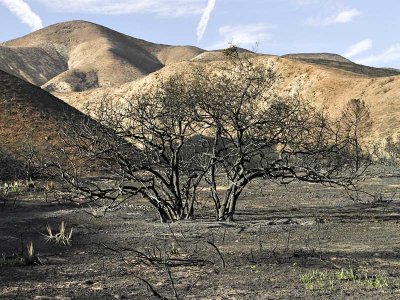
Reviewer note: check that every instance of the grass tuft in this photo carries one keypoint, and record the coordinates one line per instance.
(62, 237)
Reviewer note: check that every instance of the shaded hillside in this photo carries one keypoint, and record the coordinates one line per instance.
(339, 62)
(30, 118)
(33, 64)
(78, 55)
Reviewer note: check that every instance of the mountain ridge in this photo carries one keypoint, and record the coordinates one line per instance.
(82, 49)
(78, 55)
(340, 62)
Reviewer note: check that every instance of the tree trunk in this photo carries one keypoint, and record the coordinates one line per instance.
(164, 216)
(222, 211)
(232, 207)
(190, 209)
(227, 211)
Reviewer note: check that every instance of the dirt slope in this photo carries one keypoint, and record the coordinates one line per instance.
(29, 118)
(36, 65)
(78, 55)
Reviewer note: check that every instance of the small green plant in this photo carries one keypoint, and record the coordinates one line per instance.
(376, 282)
(11, 261)
(11, 188)
(231, 51)
(15, 187)
(313, 280)
(317, 280)
(62, 237)
(344, 274)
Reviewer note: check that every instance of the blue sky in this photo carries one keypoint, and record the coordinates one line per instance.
(363, 30)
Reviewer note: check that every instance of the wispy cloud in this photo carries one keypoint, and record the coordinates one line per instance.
(306, 2)
(347, 16)
(244, 36)
(342, 17)
(23, 11)
(385, 59)
(171, 8)
(358, 48)
(205, 18)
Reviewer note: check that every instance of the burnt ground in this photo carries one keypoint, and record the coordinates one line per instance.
(286, 243)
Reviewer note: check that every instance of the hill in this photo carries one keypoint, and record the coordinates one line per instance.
(30, 119)
(339, 62)
(331, 88)
(79, 55)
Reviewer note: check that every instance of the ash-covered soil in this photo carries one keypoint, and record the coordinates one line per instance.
(303, 241)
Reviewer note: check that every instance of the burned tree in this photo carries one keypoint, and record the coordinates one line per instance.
(147, 146)
(255, 134)
(24, 165)
(356, 122)
(222, 127)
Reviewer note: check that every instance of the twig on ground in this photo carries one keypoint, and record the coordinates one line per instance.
(120, 252)
(172, 282)
(174, 236)
(223, 238)
(219, 253)
(152, 289)
(171, 262)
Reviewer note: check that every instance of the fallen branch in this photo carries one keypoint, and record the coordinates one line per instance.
(219, 253)
(172, 282)
(171, 262)
(139, 254)
(152, 289)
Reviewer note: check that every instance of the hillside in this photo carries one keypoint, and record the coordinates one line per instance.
(339, 62)
(30, 118)
(78, 55)
(327, 87)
